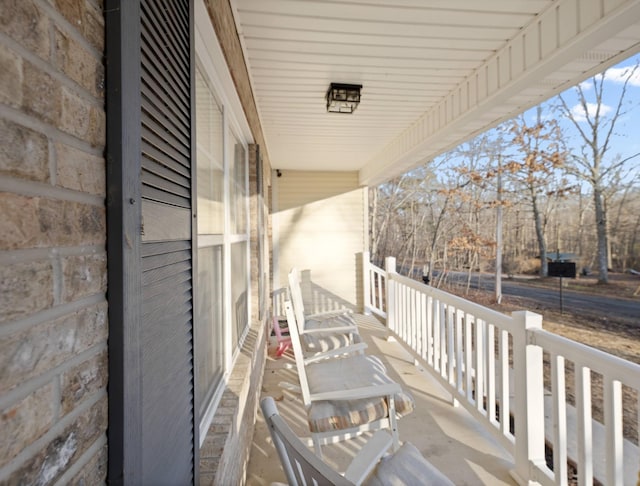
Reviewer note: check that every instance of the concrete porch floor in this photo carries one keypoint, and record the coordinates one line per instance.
(446, 435)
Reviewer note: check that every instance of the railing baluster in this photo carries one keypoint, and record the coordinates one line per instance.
(410, 314)
(459, 354)
(450, 343)
(404, 312)
(505, 399)
(479, 364)
(490, 377)
(583, 406)
(613, 420)
(559, 419)
(422, 352)
(442, 344)
(412, 318)
(437, 316)
(468, 356)
(431, 303)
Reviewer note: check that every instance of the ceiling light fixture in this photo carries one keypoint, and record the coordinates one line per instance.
(343, 98)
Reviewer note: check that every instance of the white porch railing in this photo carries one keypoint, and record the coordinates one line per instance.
(493, 365)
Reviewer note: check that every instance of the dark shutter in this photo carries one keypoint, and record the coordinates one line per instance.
(167, 286)
(153, 422)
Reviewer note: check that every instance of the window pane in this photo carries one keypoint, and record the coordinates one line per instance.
(210, 153)
(239, 290)
(209, 323)
(238, 189)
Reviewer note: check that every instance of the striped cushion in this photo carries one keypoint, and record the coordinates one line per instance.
(407, 467)
(321, 342)
(346, 374)
(333, 321)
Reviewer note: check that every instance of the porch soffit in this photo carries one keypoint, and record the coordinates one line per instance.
(434, 73)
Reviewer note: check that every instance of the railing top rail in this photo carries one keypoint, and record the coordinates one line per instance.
(376, 268)
(503, 321)
(602, 362)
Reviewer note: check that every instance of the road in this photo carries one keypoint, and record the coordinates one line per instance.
(550, 298)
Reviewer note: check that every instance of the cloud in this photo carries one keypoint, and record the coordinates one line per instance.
(620, 74)
(578, 112)
(586, 85)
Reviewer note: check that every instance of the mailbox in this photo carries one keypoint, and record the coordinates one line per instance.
(562, 269)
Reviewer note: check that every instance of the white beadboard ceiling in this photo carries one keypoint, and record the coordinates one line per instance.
(434, 72)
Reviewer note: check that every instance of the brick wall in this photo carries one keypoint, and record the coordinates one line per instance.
(53, 312)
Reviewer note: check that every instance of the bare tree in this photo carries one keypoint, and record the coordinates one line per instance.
(445, 194)
(542, 153)
(397, 215)
(593, 164)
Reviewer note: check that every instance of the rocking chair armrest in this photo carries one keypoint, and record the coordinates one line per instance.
(387, 389)
(353, 348)
(367, 458)
(329, 314)
(333, 329)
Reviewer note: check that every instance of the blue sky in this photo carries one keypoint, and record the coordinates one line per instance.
(626, 140)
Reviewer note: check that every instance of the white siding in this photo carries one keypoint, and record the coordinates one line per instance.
(320, 219)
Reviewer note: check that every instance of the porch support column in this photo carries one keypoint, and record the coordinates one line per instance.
(529, 397)
(366, 283)
(390, 268)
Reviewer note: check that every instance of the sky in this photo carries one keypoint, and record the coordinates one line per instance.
(626, 140)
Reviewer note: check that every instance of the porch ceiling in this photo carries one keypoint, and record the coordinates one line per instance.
(434, 73)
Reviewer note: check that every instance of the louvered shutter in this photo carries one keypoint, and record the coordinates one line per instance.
(167, 310)
(152, 427)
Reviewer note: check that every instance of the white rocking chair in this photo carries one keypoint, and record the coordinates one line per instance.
(326, 331)
(370, 466)
(348, 396)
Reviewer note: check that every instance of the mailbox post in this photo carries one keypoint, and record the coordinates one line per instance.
(562, 269)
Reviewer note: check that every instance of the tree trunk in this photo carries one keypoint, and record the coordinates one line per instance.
(374, 218)
(601, 230)
(434, 239)
(542, 244)
(498, 283)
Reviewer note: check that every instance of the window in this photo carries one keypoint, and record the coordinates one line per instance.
(222, 282)
(209, 313)
(239, 237)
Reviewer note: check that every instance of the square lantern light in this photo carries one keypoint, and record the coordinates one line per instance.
(343, 98)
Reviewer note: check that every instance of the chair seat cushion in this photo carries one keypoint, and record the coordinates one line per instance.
(320, 343)
(346, 374)
(328, 341)
(407, 467)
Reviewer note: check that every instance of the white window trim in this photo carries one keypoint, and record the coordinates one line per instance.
(210, 55)
(214, 67)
